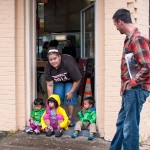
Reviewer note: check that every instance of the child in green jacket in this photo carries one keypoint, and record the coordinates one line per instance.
(87, 118)
(35, 116)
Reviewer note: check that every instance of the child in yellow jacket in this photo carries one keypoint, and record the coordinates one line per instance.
(55, 117)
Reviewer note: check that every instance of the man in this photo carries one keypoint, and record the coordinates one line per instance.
(69, 49)
(134, 90)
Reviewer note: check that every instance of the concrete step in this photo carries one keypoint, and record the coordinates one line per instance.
(69, 132)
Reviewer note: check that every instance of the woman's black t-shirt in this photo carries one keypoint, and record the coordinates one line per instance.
(68, 71)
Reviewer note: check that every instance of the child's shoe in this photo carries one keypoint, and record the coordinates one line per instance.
(29, 131)
(50, 131)
(75, 135)
(36, 131)
(72, 122)
(91, 137)
(59, 133)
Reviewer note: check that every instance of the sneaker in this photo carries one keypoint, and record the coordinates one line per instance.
(75, 135)
(36, 131)
(72, 122)
(50, 132)
(91, 137)
(59, 133)
(29, 131)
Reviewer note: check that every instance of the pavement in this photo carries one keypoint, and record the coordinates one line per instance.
(23, 141)
(20, 140)
(145, 145)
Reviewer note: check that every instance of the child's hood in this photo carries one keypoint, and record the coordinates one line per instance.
(56, 97)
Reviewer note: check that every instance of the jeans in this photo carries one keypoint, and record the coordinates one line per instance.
(62, 89)
(127, 134)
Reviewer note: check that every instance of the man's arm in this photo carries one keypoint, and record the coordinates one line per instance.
(141, 52)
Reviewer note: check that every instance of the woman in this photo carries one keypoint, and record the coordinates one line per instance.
(63, 76)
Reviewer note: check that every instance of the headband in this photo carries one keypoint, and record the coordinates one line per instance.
(53, 51)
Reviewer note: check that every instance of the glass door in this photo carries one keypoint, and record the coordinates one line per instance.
(87, 31)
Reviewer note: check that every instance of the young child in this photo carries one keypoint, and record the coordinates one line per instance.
(55, 117)
(87, 118)
(35, 116)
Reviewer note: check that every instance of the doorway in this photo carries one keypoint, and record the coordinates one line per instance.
(61, 20)
(31, 59)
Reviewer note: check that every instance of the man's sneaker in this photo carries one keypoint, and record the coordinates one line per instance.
(29, 131)
(91, 137)
(50, 131)
(72, 122)
(59, 133)
(74, 135)
(36, 131)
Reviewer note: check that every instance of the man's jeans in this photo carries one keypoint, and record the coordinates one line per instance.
(127, 133)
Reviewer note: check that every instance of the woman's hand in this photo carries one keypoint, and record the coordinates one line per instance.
(69, 96)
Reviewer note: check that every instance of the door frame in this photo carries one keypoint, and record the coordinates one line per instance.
(30, 53)
(82, 27)
(30, 50)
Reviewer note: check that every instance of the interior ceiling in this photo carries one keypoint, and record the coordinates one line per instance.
(63, 15)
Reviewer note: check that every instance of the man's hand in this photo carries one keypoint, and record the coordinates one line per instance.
(128, 87)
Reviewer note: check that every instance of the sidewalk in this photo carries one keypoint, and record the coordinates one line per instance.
(24, 141)
(146, 145)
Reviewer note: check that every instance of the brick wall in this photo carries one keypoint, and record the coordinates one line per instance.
(7, 65)
(113, 51)
(11, 64)
(20, 64)
(143, 23)
(100, 65)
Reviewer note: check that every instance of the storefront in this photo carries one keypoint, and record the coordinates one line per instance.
(18, 83)
(62, 21)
